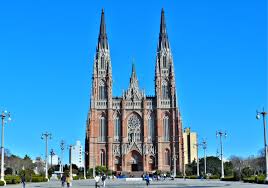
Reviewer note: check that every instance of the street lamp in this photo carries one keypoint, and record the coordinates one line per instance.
(197, 160)
(86, 153)
(52, 153)
(4, 115)
(70, 161)
(45, 136)
(258, 116)
(204, 144)
(221, 134)
(62, 145)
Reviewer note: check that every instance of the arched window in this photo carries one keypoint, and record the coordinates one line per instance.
(164, 62)
(166, 128)
(102, 129)
(102, 158)
(102, 90)
(167, 157)
(151, 128)
(165, 90)
(117, 128)
(102, 63)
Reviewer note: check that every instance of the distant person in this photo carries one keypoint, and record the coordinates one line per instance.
(63, 180)
(68, 181)
(23, 181)
(147, 179)
(97, 180)
(103, 179)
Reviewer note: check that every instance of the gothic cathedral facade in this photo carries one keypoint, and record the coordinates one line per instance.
(134, 132)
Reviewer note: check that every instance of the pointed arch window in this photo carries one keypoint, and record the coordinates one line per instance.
(164, 62)
(166, 128)
(167, 157)
(117, 128)
(102, 129)
(102, 63)
(102, 158)
(102, 90)
(165, 93)
(151, 128)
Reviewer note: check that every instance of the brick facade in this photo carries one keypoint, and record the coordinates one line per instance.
(134, 132)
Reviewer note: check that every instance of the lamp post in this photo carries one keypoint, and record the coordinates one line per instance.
(52, 153)
(45, 136)
(70, 161)
(204, 144)
(197, 160)
(4, 115)
(86, 153)
(62, 145)
(221, 134)
(258, 116)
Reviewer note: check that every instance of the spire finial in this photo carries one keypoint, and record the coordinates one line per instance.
(103, 43)
(163, 38)
(163, 22)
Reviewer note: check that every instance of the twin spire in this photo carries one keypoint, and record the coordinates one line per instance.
(103, 41)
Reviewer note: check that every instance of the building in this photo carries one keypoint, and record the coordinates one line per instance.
(134, 132)
(55, 159)
(190, 146)
(77, 155)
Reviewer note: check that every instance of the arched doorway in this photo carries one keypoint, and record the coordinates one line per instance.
(151, 163)
(134, 161)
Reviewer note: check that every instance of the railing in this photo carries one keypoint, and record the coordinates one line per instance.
(101, 104)
(149, 105)
(133, 105)
(165, 103)
(116, 104)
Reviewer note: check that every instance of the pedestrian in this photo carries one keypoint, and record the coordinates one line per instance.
(23, 180)
(103, 179)
(97, 180)
(68, 181)
(147, 179)
(63, 179)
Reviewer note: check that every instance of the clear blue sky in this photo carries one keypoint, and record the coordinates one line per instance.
(47, 50)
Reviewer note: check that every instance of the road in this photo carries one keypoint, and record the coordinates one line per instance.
(141, 184)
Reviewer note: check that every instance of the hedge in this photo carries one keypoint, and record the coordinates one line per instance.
(255, 179)
(229, 178)
(11, 179)
(2, 183)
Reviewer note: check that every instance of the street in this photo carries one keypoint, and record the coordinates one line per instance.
(141, 184)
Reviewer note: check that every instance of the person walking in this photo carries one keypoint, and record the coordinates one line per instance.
(63, 179)
(103, 179)
(147, 179)
(23, 181)
(97, 180)
(68, 181)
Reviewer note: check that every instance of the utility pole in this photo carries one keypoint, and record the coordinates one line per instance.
(3, 116)
(62, 145)
(45, 136)
(204, 144)
(263, 113)
(221, 134)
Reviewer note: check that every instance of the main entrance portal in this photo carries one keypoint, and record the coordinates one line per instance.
(134, 161)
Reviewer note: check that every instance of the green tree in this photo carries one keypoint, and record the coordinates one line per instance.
(213, 165)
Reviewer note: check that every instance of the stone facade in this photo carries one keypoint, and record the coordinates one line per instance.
(134, 132)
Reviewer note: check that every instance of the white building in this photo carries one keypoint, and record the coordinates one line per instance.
(55, 160)
(77, 155)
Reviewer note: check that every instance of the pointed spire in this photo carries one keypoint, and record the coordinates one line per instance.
(163, 23)
(103, 42)
(133, 74)
(163, 38)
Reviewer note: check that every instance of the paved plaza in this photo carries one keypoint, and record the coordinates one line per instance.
(141, 184)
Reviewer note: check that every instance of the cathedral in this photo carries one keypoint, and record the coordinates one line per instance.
(134, 132)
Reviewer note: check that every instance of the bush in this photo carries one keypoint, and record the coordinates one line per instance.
(12, 179)
(249, 179)
(191, 177)
(2, 183)
(39, 179)
(76, 178)
(229, 178)
(260, 179)
(214, 177)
